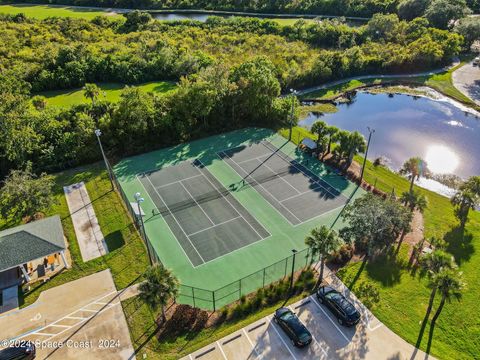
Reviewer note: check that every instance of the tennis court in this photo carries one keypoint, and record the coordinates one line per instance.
(295, 192)
(207, 221)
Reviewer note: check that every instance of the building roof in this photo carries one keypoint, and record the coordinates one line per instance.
(31, 241)
(309, 143)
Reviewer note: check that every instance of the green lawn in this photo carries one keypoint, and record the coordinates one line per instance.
(127, 259)
(110, 92)
(403, 294)
(45, 11)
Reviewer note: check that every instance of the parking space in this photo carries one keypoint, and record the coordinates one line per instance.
(264, 339)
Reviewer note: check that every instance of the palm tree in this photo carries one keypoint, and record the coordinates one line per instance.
(432, 264)
(92, 92)
(467, 197)
(450, 285)
(414, 200)
(414, 168)
(356, 144)
(320, 129)
(331, 132)
(158, 288)
(322, 241)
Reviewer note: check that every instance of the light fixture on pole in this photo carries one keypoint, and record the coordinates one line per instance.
(293, 269)
(292, 115)
(139, 199)
(371, 132)
(98, 133)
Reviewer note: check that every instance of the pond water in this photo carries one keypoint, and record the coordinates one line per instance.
(447, 137)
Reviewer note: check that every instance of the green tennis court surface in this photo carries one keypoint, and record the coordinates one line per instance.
(223, 208)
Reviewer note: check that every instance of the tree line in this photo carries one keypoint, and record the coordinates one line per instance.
(363, 8)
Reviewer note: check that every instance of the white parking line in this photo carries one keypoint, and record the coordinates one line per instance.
(43, 334)
(333, 322)
(313, 337)
(281, 339)
(74, 317)
(221, 350)
(65, 326)
(252, 344)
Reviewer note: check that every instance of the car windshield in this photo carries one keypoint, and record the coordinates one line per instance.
(287, 316)
(343, 303)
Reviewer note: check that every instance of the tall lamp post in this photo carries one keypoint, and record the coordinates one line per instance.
(98, 133)
(371, 132)
(292, 114)
(293, 269)
(139, 199)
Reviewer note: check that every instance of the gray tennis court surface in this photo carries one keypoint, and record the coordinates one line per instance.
(296, 192)
(206, 219)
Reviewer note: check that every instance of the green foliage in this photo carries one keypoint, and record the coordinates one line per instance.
(368, 294)
(23, 194)
(411, 9)
(441, 13)
(374, 223)
(469, 28)
(467, 197)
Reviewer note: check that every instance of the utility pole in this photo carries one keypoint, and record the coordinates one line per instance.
(292, 115)
(371, 131)
(98, 133)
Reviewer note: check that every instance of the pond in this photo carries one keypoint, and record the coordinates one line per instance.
(446, 136)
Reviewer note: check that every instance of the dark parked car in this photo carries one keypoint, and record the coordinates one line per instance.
(342, 308)
(293, 327)
(24, 351)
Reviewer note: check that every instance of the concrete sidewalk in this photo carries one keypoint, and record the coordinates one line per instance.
(89, 235)
(467, 80)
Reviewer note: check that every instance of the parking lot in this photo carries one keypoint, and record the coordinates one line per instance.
(264, 339)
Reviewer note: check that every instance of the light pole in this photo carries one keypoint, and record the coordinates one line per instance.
(293, 269)
(98, 133)
(371, 132)
(292, 115)
(139, 199)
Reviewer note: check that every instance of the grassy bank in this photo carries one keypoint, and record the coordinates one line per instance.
(46, 11)
(404, 294)
(110, 92)
(127, 259)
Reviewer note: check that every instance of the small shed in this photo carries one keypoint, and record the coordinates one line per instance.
(39, 242)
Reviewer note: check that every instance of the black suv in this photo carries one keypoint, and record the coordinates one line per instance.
(293, 327)
(342, 308)
(18, 352)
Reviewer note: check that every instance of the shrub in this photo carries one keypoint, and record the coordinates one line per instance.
(343, 255)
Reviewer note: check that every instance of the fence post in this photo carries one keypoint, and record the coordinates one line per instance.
(263, 287)
(213, 297)
(239, 288)
(286, 263)
(193, 296)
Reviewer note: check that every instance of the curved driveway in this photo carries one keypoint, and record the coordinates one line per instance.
(467, 80)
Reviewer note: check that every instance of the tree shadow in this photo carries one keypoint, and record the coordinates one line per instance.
(385, 268)
(114, 240)
(359, 272)
(459, 244)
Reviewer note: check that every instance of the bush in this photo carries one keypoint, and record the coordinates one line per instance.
(343, 255)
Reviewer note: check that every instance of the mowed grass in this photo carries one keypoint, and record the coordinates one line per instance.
(127, 258)
(403, 293)
(110, 92)
(46, 11)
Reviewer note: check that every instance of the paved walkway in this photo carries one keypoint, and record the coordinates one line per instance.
(82, 319)
(89, 235)
(263, 339)
(467, 80)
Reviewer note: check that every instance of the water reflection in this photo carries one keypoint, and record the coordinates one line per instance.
(445, 136)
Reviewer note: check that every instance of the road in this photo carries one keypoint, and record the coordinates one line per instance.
(263, 339)
(467, 80)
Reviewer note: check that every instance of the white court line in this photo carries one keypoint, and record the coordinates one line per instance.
(251, 344)
(246, 174)
(313, 337)
(234, 208)
(214, 226)
(281, 339)
(221, 350)
(300, 194)
(195, 200)
(278, 175)
(161, 198)
(177, 181)
(168, 226)
(333, 322)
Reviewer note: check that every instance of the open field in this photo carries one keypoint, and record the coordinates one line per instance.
(45, 11)
(403, 294)
(127, 258)
(110, 92)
